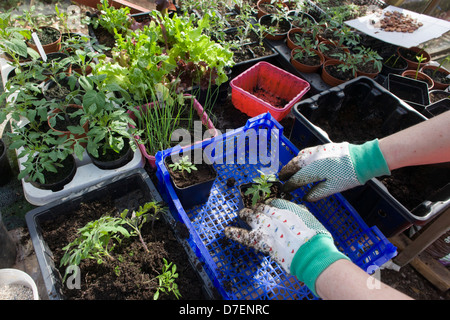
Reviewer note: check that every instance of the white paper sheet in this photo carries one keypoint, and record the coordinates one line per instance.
(432, 28)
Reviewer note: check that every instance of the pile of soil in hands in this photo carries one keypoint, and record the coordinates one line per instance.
(437, 76)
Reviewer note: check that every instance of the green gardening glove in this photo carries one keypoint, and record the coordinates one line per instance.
(291, 235)
(336, 166)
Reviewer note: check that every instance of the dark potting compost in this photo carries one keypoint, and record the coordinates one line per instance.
(47, 35)
(269, 97)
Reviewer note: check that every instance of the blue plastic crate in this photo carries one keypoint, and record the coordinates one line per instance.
(241, 273)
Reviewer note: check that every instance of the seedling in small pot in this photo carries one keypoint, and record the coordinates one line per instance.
(260, 189)
(149, 212)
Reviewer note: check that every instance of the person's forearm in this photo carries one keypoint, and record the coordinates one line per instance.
(425, 143)
(343, 280)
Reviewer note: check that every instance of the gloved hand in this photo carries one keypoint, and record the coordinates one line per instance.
(336, 166)
(291, 235)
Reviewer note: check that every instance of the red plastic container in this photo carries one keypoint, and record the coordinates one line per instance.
(203, 116)
(274, 82)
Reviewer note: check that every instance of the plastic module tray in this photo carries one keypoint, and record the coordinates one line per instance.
(369, 100)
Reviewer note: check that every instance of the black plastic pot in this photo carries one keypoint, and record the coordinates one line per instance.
(5, 168)
(414, 92)
(378, 201)
(241, 66)
(8, 249)
(436, 95)
(197, 193)
(245, 186)
(438, 107)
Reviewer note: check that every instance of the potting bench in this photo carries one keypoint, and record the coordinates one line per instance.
(411, 250)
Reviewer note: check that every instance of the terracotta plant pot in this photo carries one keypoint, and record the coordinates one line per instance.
(113, 160)
(429, 69)
(302, 67)
(372, 75)
(281, 33)
(327, 34)
(420, 76)
(413, 64)
(329, 78)
(57, 57)
(262, 11)
(49, 47)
